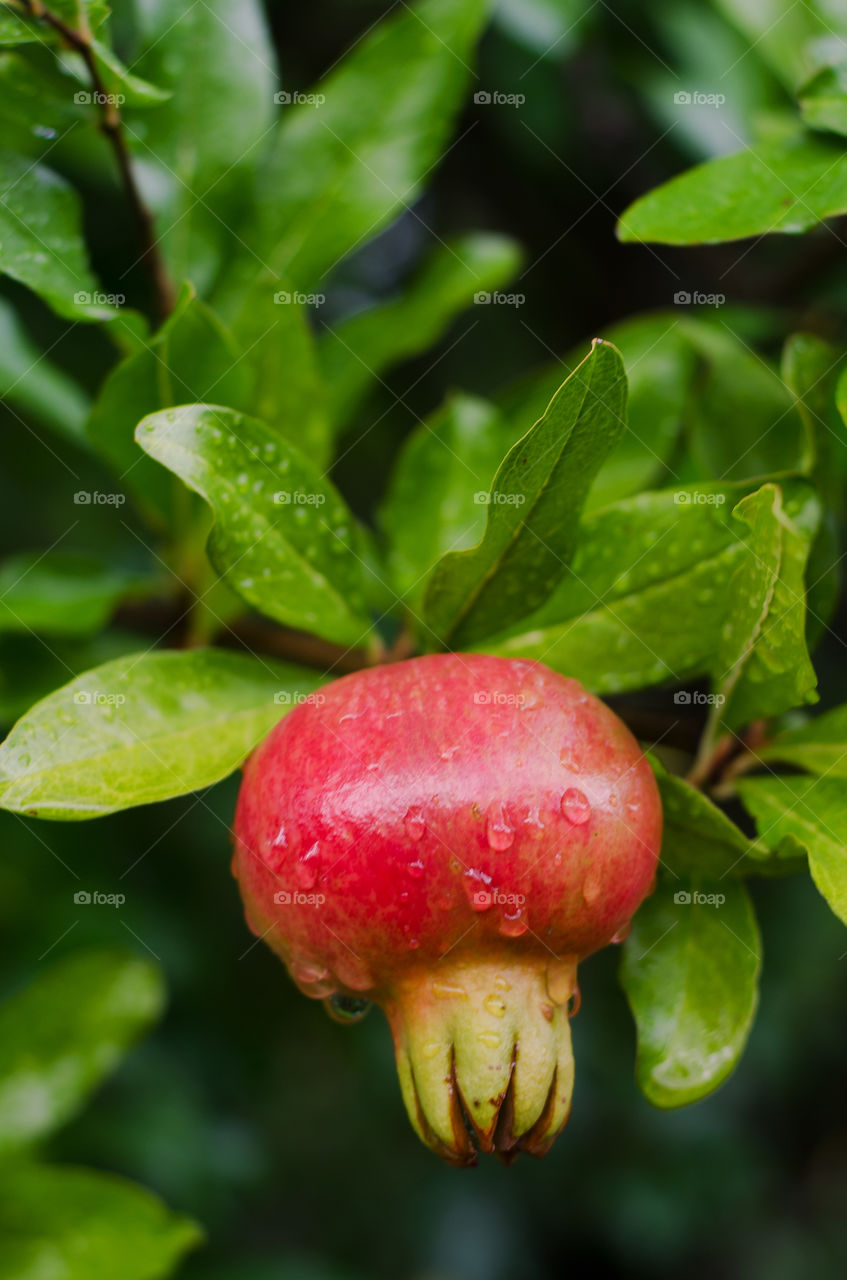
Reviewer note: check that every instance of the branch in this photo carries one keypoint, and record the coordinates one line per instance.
(112, 126)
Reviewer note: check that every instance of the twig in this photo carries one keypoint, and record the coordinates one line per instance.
(112, 126)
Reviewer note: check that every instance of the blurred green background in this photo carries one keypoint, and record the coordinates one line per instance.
(283, 1133)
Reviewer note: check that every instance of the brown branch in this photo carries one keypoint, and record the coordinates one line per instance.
(112, 126)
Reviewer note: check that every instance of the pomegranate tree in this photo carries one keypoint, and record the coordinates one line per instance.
(448, 837)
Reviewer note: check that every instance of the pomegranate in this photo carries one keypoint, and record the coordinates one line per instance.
(447, 837)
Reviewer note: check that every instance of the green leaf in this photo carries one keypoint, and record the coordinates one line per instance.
(344, 166)
(783, 34)
(59, 593)
(786, 186)
(41, 242)
(814, 812)
(534, 507)
(281, 359)
(355, 352)
(191, 357)
(119, 80)
(690, 969)
(823, 99)
(762, 665)
(32, 384)
(65, 1033)
(82, 1225)
(444, 469)
(818, 747)
(143, 728)
(697, 837)
(196, 153)
(85, 15)
(659, 365)
(283, 537)
(644, 600)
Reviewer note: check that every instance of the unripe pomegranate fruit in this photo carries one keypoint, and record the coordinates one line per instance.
(448, 837)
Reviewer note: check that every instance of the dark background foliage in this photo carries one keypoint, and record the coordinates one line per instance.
(280, 1131)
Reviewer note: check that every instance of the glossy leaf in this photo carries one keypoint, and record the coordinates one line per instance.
(143, 728)
(283, 538)
(644, 600)
(41, 242)
(443, 474)
(31, 383)
(786, 186)
(118, 79)
(534, 508)
(812, 811)
(83, 1225)
(697, 837)
(781, 33)
(823, 99)
(762, 665)
(355, 352)
(341, 169)
(191, 357)
(59, 594)
(818, 747)
(65, 1033)
(690, 970)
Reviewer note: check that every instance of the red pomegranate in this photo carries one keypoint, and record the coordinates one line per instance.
(448, 837)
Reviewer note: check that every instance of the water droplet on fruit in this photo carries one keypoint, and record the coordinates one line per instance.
(593, 883)
(448, 753)
(499, 834)
(566, 758)
(622, 934)
(560, 981)
(431, 1048)
(513, 924)
(347, 1008)
(306, 871)
(413, 944)
(575, 806)
(281, 838)
(307, 973)
(416, 869)
(501, 984)
(495, 1005)
(414, 823)
(574, 1003)
(490, 1039)
(478, 889)
(447, 991)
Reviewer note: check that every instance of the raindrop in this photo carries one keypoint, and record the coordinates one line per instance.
(513, 925)
(281, 838)
(416, 869)
(490, 1039)
(347, 1008)
(497, 830)
(306, 871)
(622, 933)
(495, 1005)
(478, 889)
(592, 884)
(414, 823)
(575, 806)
